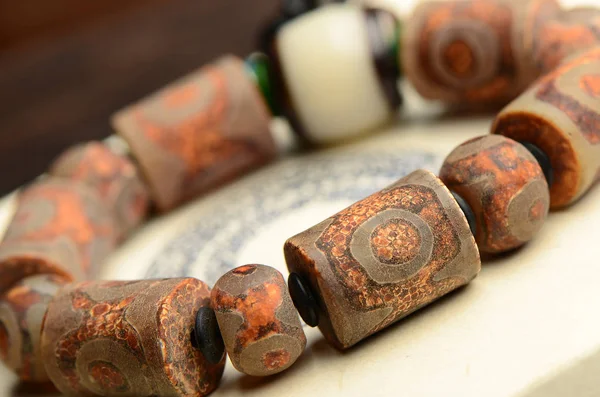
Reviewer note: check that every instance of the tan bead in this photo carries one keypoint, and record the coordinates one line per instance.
(114, 177)
(260, 326)
(127, 338)
(473, 52)
(384, 257)
(560, 114)
(569, 32)
(199, 132)
(22, 310)
(505, 187)
(60, 227)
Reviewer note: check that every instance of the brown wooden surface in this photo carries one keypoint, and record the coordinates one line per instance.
(25, 21)
(63, 87)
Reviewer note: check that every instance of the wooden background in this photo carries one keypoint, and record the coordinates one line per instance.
(67, 65)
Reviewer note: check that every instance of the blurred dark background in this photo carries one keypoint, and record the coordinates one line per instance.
(67, 65)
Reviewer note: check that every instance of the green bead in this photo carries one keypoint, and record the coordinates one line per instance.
(258, 67)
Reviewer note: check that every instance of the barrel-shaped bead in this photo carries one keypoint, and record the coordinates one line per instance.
(505, 187)
(22, 311)
(114, 176)
(60, 227)
(260, 326)
(569, 32)
(560, 114)
(131, 338)
(198, 132)
(332, 75)
(473, 52)
(384, 257)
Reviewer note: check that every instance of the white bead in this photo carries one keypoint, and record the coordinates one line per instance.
(330, 75)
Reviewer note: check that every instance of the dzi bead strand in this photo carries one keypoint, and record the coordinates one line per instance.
(475, 51)
(559, 114)
(351, 275)
(199, 132)
(260, 326)
(504, 185)
(127, 338)
(384, 257)
(115, 178)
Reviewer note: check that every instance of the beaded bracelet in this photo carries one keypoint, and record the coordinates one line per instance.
(351, 275)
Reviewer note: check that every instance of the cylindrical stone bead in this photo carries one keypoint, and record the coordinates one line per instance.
(560, 114)
(122, 338)
(22, 310)
(505, 187)
(332, 79)
(571, 31)
(473, 52)
(60, 227)
(199, 132)
(385, 257)
(114, 176)
(260, 326)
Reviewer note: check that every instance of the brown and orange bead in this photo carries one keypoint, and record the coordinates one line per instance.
(22, 311)
(113, 176)
(382, 258)
(559, 114)
(505, 187)
(130, 338)
(60, 227)
(260, 326)
(473, 52)
(199, 132)
(564, 35)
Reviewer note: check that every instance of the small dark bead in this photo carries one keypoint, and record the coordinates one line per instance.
(384, 51)
(543, 159)
(289, 9)
(207, 336)
(303, 299)
(293, 8)
(468, 211)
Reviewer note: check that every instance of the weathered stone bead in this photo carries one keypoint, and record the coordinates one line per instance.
(22, 310)
(569, 32)
(258, 321)
(60, 227)
(385, 257)
(473, 52)
(115, 178)
(560, 114)
(199, 132)
(504, 185)
(336, 47)
(127, 338)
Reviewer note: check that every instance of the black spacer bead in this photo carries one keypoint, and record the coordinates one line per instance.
(206, 336)
(384, 56)
(543, 159)
(468, 211)
(294, 8)
(303, 299)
